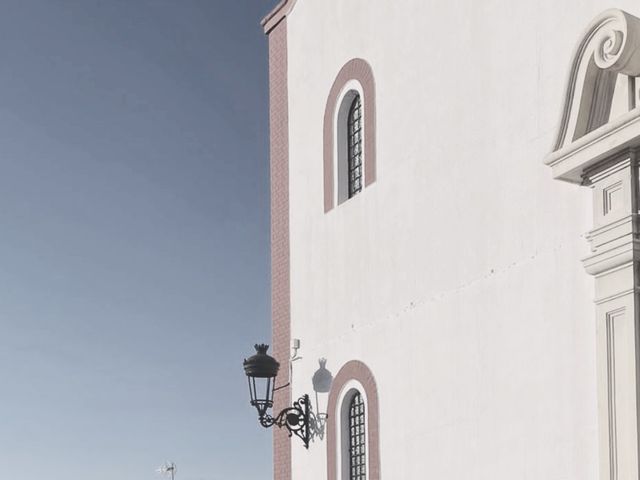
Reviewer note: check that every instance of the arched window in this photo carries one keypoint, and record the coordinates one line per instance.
(349, 138)
(357, 456)
(353, 443)
(354, 146)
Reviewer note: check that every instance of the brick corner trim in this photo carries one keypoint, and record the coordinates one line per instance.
(280, 263)
(355, 370)
(359, 70)
(275, 16)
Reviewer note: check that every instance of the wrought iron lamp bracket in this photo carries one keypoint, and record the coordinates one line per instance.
(299, 420)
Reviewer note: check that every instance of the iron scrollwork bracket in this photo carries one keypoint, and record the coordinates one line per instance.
(299, 420)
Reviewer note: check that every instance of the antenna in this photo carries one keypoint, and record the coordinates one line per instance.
(168, 469)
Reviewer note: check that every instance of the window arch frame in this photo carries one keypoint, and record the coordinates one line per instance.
(353, 377)
(355, 75)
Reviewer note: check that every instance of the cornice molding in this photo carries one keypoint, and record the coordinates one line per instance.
(280, 11)
(610, 46)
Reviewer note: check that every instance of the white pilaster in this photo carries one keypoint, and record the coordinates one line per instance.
(597, 145)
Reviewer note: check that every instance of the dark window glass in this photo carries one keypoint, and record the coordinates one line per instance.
(357, 454)
(354, 146)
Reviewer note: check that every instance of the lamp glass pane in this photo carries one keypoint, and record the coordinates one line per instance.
(261, 391)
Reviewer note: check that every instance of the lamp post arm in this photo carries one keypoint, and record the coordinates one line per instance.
(296, 419)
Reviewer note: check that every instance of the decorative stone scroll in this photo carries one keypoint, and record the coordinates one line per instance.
(598, 146)
(601, 97)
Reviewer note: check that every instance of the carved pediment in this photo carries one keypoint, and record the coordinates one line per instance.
(600, 115)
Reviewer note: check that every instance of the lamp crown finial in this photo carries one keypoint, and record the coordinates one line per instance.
(261, 348)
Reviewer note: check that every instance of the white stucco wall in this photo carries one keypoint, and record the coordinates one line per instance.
(456, 277)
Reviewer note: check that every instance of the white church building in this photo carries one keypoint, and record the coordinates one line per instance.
(455, 230)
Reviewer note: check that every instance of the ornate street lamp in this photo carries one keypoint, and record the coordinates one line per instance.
(261, 370)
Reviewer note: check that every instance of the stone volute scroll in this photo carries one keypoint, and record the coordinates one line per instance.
(601, 97)
(597, 146)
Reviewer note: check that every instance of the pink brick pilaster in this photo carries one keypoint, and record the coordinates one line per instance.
(280, 288)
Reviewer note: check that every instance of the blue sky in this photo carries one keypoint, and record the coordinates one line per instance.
(134, 241)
